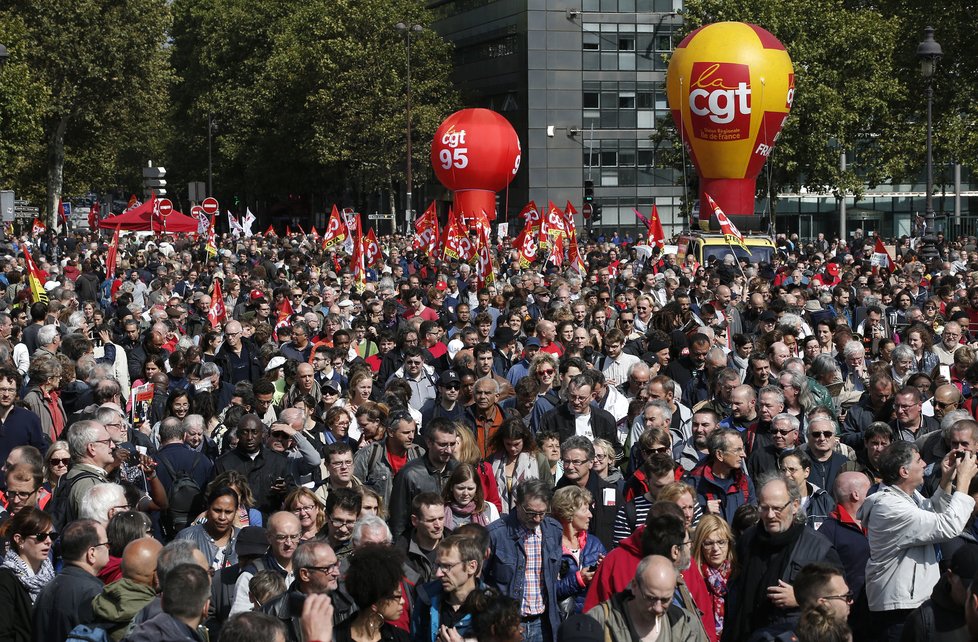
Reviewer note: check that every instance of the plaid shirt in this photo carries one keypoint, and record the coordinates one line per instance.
(533, 602)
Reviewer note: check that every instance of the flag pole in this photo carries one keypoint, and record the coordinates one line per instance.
(737, 260)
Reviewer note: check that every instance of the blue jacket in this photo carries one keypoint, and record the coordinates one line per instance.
(569, 585)
(426, 617)
(708, 487)
(506, 567)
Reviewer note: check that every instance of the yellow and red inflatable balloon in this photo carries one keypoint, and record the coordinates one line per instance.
(730, 87)
(475, 153)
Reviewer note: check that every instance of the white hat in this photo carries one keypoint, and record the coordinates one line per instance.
(50, 285)
(276, 362)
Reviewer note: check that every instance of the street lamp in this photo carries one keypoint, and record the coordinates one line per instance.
(408, 29)
(929, 52)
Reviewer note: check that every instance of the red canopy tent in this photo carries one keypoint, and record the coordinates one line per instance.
(141, 219)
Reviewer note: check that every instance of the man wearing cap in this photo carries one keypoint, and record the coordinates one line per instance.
(446, 404)
(503, 351)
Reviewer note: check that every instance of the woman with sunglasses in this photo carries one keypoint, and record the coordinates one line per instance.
(56, 462)
(29, 540)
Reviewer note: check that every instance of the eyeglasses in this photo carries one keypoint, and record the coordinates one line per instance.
(848, 597)
(574, 462)
(719, 543)
(342, 523)
(329, 568)
(777, 510)
(452, 386)
(533, 513)
(341, 464)
(107, 442)
(52, 535)
(55, 535)
(446, 568)
(785, 432)
(549, 371)
(949, 404)
(20, 494)
(304, 509)
(655, 450)
(825, 435)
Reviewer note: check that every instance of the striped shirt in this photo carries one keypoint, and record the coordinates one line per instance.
(532, 602)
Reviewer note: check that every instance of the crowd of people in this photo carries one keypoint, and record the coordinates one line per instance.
(253, 445)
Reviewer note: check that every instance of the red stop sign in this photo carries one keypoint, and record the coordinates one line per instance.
(587, 210)
(196, 211)
(210, 205)
(165, 207)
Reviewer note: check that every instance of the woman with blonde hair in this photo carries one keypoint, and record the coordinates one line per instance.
(467, 452)
(543, 369)
(372, 503)
(306, 505)
(713, 556)
(581, 551)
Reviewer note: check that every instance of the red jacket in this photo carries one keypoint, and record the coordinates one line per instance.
(618, 570)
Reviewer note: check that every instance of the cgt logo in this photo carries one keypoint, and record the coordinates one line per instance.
(720, 101)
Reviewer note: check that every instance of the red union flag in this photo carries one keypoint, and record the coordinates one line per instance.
(727, 227)
(484, 271)
(573, 251)
(335, 230)
(881, 257)
(528, 247)
(357, 259)
(371, 249)
(217, 313)
(38, 228)
(557, 253)
(110, 259)
(556, 226)
(426, 231)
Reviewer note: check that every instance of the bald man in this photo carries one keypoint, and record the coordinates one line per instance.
(845, 531)
(121, 600)
(283, 533)
(647, 606)
(238, 359)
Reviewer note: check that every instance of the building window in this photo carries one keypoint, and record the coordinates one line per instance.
(591, 41)
(626, 43)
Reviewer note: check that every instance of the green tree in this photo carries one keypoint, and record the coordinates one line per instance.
(104, 71)
(309, 99)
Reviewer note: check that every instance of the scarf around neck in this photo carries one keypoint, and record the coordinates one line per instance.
(31, 581)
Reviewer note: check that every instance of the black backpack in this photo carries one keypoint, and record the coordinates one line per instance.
(60, 505)
(181, 497)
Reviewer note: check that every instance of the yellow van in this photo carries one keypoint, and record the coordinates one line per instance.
(703, 246)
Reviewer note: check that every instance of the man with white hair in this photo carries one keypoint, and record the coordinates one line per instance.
(102, 502)
(950, 342)
(92, 452)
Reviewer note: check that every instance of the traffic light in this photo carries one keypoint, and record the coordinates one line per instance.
(154, 180)
(596, 215)
(588, 191)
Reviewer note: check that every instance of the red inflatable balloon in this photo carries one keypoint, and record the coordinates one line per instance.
(475, 153)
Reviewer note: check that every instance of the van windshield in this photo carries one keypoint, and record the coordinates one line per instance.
(758, 254)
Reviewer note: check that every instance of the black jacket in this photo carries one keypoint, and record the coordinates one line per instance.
(15, 608)
(605, 501)
(65, 603)
(417, 476)
(249, 353)
(287, 607)
(262, 471)
(938, 619)
(810, 547)
(562, 421)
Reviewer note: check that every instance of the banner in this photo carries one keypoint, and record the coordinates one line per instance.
(38, 227)
(727, 227)
(110, 259)
(881, 257)
(484, 272)
(217, 313)
(36, 280)
(211, 247)
(335, 230)
(357, 260)
(426, 231)
(371, 249)
(234, 225)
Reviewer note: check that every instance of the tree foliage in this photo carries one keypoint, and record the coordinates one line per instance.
(307, 96)
(95, 75)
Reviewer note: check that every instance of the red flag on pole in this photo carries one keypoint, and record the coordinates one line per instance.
(656, 234)
(93, 218)
(217, 312)
(110, 259)
(484, 272)
(426, 231)
(727, 227)
(38, 228)
(573, 251)
(881, 257)
(357, 261)
(371, 249)
(335, 230)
